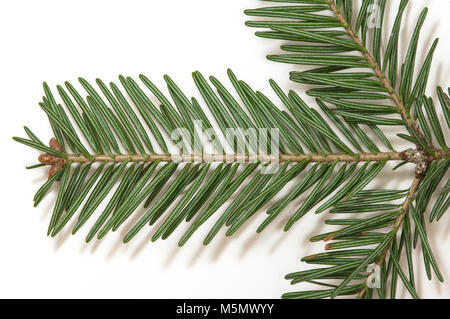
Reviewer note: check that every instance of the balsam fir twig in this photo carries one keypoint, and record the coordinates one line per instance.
(336, 154)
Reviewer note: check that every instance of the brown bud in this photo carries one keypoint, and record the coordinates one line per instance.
(47, 159)
(55, 144)
(60, 161)
(53, 170)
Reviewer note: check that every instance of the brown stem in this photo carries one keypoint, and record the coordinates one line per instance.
(239, 158)
(408, 155)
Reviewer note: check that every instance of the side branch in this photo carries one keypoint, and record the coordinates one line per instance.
(394, 96)
(397, 224)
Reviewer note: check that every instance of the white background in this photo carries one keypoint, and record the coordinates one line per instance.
(57, 41)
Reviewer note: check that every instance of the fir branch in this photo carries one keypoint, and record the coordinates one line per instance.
(397, 224)
(326, 49)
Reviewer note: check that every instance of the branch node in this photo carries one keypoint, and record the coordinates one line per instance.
(55, 162)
